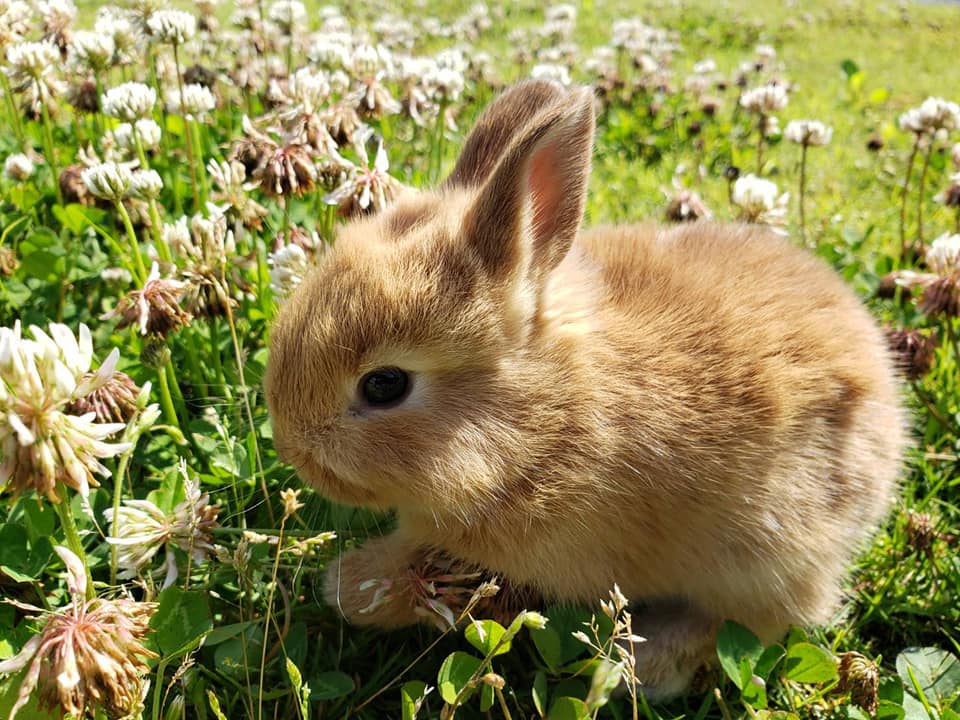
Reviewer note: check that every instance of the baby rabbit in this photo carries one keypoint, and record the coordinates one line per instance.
(703, 414)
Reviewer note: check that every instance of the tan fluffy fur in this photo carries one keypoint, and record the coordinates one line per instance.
(703, 414)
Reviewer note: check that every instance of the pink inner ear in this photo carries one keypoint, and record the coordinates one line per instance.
(545, 185)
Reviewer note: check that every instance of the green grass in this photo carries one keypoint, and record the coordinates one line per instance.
(855, 66)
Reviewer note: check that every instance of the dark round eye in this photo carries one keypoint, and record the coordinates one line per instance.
(385, 386)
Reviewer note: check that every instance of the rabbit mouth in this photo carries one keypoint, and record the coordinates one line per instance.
(331, 485)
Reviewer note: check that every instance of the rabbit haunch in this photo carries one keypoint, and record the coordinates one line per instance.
(704, 415)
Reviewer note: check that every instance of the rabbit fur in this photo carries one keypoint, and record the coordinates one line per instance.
(702, 414)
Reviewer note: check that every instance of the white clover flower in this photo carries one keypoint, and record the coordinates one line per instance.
(309, 89)
(288, 265)
(765, 99)
(705, 67)
(331, 50)
(444, 84)
(759, 200)
(93, 50)
(288, 14)
(561, 13)
(109, 180)
(121, 30)
(368, 187)
(197, 100)
(370, 60)
(955, 155)
(130, 101)
(140, 528)
(31, 61)
(933, 114)
(765, 53)
(943, 254)
(42, 444)
(553, 73)
(18, 167)
(147, 130)
(172, 26)
(145, 185)
(453, 59)
(15, 21)
(808, 132)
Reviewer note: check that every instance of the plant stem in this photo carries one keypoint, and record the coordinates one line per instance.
(249, 411)
(920, 188)
(266, 619)
(166, 400)
(72, 535)
(803, 188)
(12, 110)
(760, 127)
(134, 243)
(48, 143)
(903, 199)
(187, 131)
(117, 493)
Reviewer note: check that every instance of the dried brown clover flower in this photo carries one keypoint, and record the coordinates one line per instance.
(115, 401)
(89, 654)
(155, 309)
(912, 351)
(861, 678)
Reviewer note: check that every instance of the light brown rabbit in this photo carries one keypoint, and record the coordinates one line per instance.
(702, 414)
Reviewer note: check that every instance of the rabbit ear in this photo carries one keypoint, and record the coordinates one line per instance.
(496, 128)
(529, 210)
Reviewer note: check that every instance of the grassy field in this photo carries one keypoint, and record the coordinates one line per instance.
(189, 586)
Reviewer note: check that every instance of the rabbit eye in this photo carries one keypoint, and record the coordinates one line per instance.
(385, 386)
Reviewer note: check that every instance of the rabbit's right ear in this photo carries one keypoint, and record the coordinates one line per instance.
(496, 128)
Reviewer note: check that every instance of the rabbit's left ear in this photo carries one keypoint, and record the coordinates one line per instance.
(529, 210)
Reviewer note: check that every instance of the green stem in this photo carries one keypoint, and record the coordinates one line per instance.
(189, 135)
(762, 124)
(134, 243)
(72, 536)
(903, 199)
(803, 188)
(249, 411)
(166, 400)
(920, 188)
(12, 110)
(196, 134)
(48, 143)
(117, 494)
